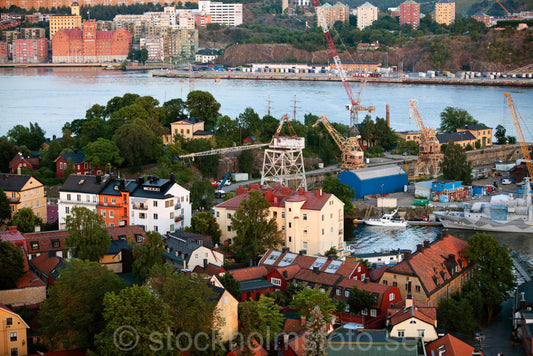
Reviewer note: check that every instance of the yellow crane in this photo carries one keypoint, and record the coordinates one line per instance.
(429, 155)
(521, 139)
(351, 153)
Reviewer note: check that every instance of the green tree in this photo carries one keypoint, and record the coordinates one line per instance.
(192, 303)
(175, 111)
(5, 209)
(344, 192)
(25, 220)
(231, 284)
(148, 255)
(8, 150)
(332, 252)
(305, 300)
(255, 231)
(71, 316)
(511, 140)
(202, 105)
(500, 135)
(87, 239)
(454, 164)
(49, 154)
(102, 153)
(138, 144)
(453, 118)
(266, 318)
(316, 341)
(134, 308)
(202, 195)
(11, 265)
(144, 56)
(456, 315)
(31, 137)
(246, 161)
(205, 223)
(360, 300)
(493, 274)
(250, 123)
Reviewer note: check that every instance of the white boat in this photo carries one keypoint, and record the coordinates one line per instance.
(387, 220)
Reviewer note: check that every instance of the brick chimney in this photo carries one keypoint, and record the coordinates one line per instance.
(419, 248)
(427, 244)
(407, 255)
(301, 191)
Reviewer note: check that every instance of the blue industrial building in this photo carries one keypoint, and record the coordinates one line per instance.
(375, 180)
(446, 186)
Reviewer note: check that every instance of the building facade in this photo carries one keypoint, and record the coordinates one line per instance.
(311, 221)
(89, 45)
(445, 12)
(154, 46)
(410, 14)
(30, 50)
(366, 15)
(24, 191)
(222, 13)
(329, 14)
(482, 133)
(60, 22)
(12, 333)
(79, 164)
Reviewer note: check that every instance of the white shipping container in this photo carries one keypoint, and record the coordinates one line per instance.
(239, 177)
(387, 203)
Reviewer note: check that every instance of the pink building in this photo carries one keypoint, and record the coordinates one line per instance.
(410, 14)
(30, 50)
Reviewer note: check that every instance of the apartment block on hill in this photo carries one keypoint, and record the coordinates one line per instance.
(311, 221)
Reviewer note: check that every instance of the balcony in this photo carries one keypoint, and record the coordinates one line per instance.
(139, 207)
(178, 218)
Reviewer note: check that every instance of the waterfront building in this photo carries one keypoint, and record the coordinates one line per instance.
(366, 15)
(59, 22)
(89, 45)
(436, 270)
(361, 67)
(482, 133)
(311, 221)
(30, 50)
(3, 52)
(206, 55)
(445, 12)
(154, 46)
(410, 14)
(24, 191)
(222, 13)
(375, 180)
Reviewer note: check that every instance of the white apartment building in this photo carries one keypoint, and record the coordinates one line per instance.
(228, 14)
(366, 15)
(311, 221)
(154, 46)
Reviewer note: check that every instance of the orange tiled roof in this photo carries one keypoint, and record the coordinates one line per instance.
(435, 264)
(211, 270)
(399, 315)
(257, 350)
(291, 270)
(29, 279)
(44, 263)
(452, 345)
(246, 274)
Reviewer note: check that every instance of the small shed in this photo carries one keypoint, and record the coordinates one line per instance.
(376, 180)
(423, 189)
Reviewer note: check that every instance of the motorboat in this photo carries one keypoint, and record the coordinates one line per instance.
(387, 220)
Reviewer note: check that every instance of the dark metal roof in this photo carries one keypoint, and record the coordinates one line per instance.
(176, 244)
(205, 240)
(255, 284)
(207, 52)
(455, 136)
(83, 184)
(153, 188)
(74, 157)
(119, 245)
(13, 182)
(113, 187)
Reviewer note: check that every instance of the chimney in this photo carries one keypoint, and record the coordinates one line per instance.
(316, 269)
(387, 114)
(301, 252)
(51, 253)
(523, 301)
(37, 228)
(407, 255)
(302, 320)
(301, 191)
(19, 172)
(427, 244)
(419, 248)
(409, 298)
(444, 233)
(318, 193)
(12, 228)
(205, 263)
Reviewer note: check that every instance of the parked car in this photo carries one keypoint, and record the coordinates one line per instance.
(506, 181)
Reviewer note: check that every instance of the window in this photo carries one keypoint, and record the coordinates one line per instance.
(229, 215)
(338, 292)
(283, 228)
(56, 244)
(156, 228)
(373, 312)
(228, 228)
(420, 333)
(385, 282)
(34, 245)
(68, 196)
(14, 351)
(283, 215)
(67, 210)
(155, 203)
(111, 214)
(290, 210)
(113, 201)
(401, 333)
(417, 288)
(142, 216)
(322, 231)
(364, 312)
(305, 217)
(276, 281)
(78, 197)
(391, 296)
(305, 231)
(394, 284)
(304, 245)
(322, 217)
(13, 336)
(155, 216)
(218, 214)
(346, 293)
(290, 239)
(9, 321)
(103, 213)
(290, 225)
(172, 215)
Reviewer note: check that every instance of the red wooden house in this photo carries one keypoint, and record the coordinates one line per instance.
(19, 162)
(253, 282)
(79, 163)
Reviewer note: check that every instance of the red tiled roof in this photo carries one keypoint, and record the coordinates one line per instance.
(14, 235)
(211, 270)
(370, 287)
(398, 315)
(129, 231)
(325, 279)
(376, 274)
(29, 279)
(44, 263)
(246, 274)
(291, 270)
(44, 238)
(430, 264)
(294, 326)
(257, 350)
(452, 345)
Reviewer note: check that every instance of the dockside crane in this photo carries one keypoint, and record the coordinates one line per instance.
(521, 139)
(351, 153)
(429, 155)
(355, 105)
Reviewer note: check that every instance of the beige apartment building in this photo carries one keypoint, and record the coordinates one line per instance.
(66, 21)
(24, 191)
(445, 12)
(311, 221)
(366, 14)
(329, 14)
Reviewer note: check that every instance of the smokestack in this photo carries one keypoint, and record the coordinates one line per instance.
(388, 114)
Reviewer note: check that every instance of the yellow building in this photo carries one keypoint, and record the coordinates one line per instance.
(445, 12)
(228, 311)
(189, 129)
(482, 133)
(24, 191)
(13, 339)
(58, 22)
(311, 221)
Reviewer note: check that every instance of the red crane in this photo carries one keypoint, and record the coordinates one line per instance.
(355, 106)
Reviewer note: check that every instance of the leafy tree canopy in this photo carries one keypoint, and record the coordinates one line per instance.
(308, 298)
(87, 239)
(500, 135)
(25, 220)
(453, 118)
(205, 223)
(360, 300)
(32, 137)
(202, 193)
(231, 285)
(103, 153)
(202, 105)
(265, 318)
(454, 164)
(11, 265)
(148, 255)
(316, 340)
(344, 192)
(5, 209)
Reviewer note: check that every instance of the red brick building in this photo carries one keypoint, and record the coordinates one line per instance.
(30, 50)
(89, 45)
(410, 14)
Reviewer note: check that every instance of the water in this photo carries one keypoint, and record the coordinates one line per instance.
(53, 96)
